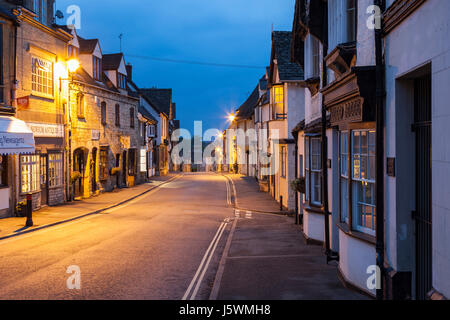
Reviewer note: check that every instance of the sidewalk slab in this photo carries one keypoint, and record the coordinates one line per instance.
(268, 260)
(249, 197)
(70, 210)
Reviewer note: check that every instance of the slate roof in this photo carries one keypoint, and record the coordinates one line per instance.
(111, 61)
(146, 114)
(160, 99)
(281, 44)
(82, 76)
(245, 111)
(87, 46)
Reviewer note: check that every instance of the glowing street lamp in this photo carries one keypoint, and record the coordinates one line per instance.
(231, 117)
(73, 65)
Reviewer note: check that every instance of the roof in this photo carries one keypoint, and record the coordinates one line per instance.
(146, 114)
(87, 46)
(245, 111)
(281, 51)
(176, 124)
(82, 76)
(263, 83)
(160, 99)
(111, 61)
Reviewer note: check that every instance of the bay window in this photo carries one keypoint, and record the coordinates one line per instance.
(357, 188)
(313, 170)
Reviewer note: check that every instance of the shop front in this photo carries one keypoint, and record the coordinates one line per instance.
(16, 140)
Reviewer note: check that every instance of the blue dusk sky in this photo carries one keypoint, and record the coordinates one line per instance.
(231, 32)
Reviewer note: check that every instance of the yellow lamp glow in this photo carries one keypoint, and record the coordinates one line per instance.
(73, 65)
(231, 117)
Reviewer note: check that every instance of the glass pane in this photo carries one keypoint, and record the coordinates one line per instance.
(344, 200)
(356, 142)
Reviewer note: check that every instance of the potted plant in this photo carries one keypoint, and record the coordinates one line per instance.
(21, 208)
(298, 185)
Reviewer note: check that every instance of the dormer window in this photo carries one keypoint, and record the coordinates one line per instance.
(41, 9)
(72, 52)
(121, 81)
(97, 65)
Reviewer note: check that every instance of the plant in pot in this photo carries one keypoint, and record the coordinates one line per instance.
(74, 177)
(298, 185)
(21, 208)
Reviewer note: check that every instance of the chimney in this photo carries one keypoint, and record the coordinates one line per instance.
(129, 72)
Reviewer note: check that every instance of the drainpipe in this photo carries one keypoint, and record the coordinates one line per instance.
(379, 181)
(297, 218)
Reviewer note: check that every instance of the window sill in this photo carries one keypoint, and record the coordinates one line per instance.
(356, 234)
(312, 208)
(43, 96)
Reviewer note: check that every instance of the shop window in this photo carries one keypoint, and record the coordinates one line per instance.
(42, 77)
(103, 164)
(30, 174)
(55, 170)
(313, 170)
(143, 160)
(344, 175)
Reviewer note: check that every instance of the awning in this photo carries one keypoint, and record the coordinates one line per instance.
(15, 136)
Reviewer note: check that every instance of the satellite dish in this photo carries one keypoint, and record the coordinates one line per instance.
(59, 14)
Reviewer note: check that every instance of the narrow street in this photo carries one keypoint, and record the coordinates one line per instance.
(149, 248)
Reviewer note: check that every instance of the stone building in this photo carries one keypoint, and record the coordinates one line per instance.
(104, 134)
(40, 52)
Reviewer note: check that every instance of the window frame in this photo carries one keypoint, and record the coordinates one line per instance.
(352, 217)
(103, 163)
(97, 68)
(283, 160)
(34, 174)
(121, 81)
(117, 115)
(278, 99)
(103, 113)
(132, 118)
(80, 105)
(47, 75)
(55, 162)
(309, 171)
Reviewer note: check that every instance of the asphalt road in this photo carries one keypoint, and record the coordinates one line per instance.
(150, 248)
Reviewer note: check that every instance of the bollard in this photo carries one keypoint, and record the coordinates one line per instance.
(29, 222)
(281, 203)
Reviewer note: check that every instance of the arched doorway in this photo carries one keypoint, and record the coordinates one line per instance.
(79, 165)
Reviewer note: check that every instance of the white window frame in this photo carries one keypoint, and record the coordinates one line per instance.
(42, 76)
(316, 170)
(30, 175)
(55, 169)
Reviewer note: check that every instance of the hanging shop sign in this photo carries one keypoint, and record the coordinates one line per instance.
(23, 102)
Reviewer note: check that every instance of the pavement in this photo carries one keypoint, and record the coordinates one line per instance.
(267, 258)
(47, 216)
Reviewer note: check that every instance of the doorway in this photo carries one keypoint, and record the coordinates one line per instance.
(79, 165)
(43, 162)
(124, 168)
(423, 214)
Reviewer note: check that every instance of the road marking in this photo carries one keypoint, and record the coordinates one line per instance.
(206, 257)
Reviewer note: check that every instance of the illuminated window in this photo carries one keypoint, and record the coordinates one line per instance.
(30, 175)
(55, 169)
(278, 102)
(42, 77)
(143, 160)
